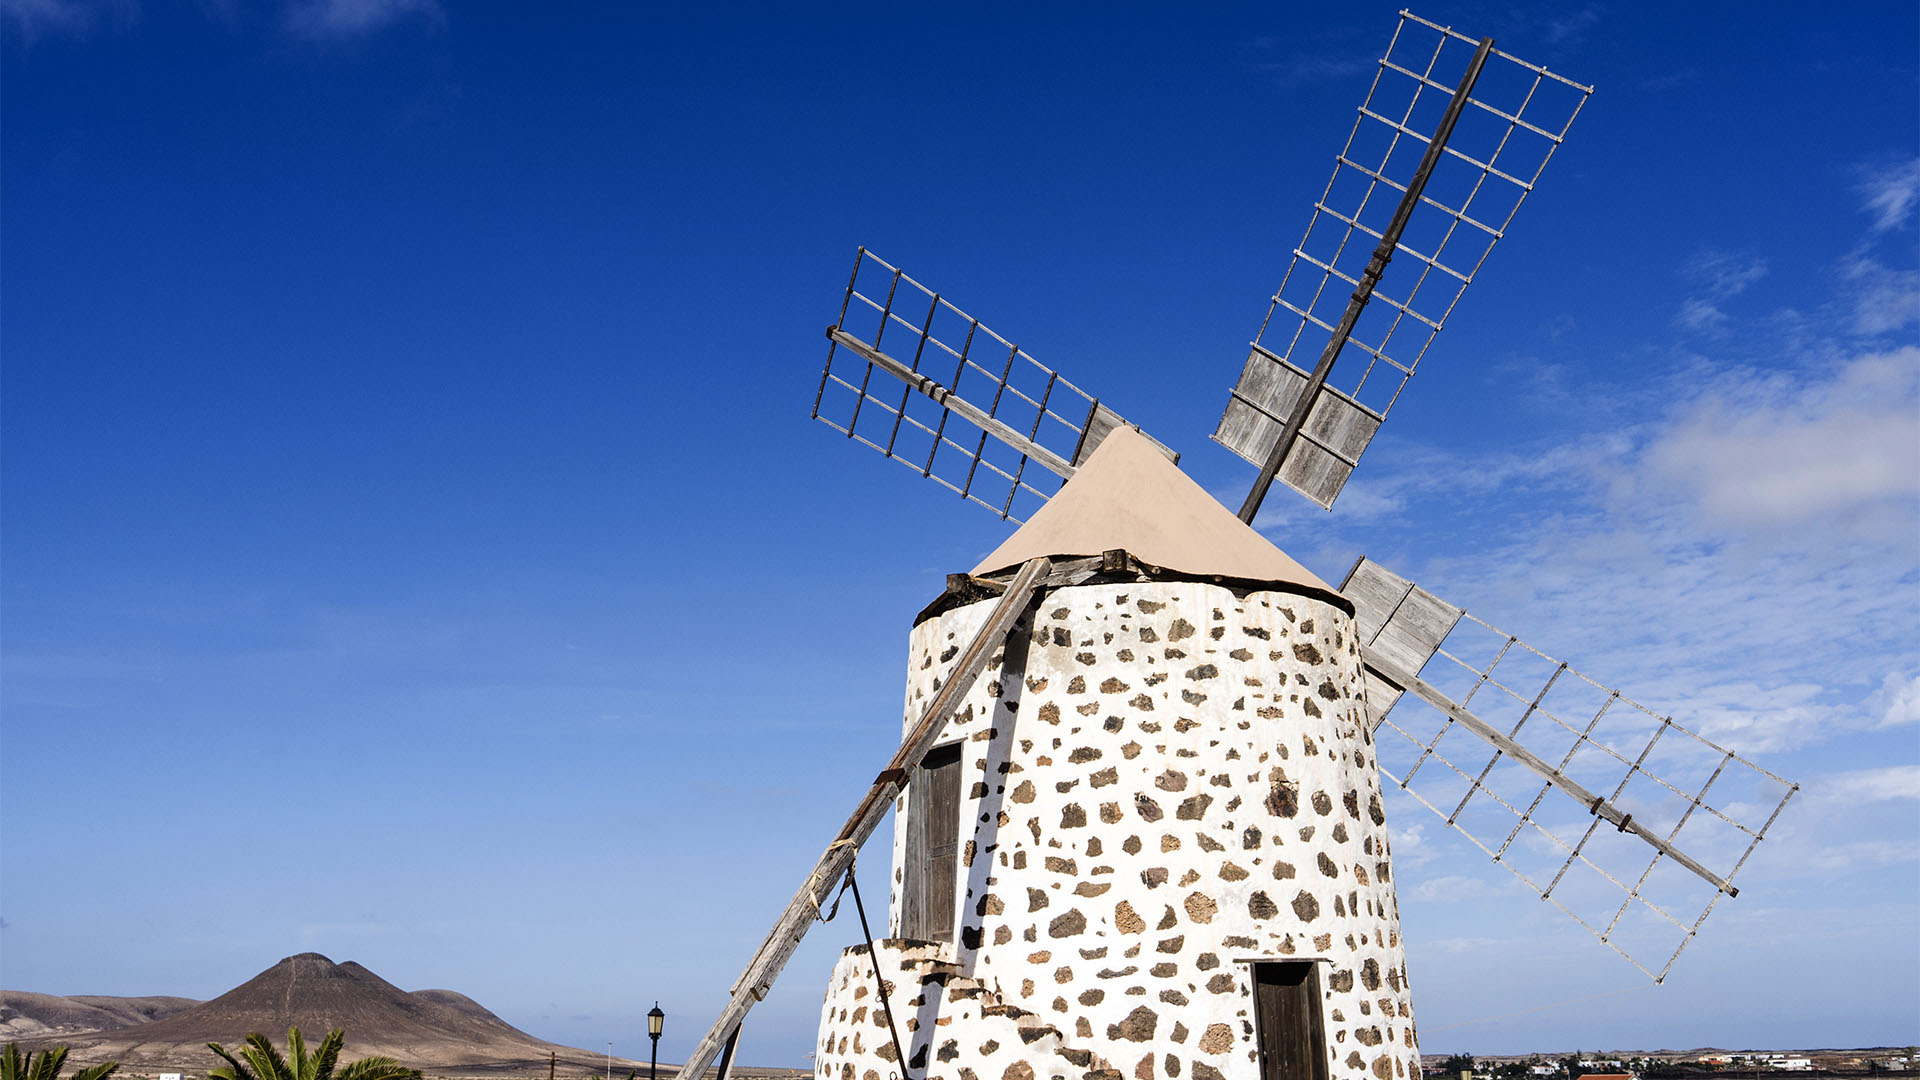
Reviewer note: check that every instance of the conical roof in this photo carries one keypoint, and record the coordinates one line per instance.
(1128, 495)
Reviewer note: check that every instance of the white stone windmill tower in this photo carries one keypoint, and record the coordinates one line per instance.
(1140, 828)
(1168, 817)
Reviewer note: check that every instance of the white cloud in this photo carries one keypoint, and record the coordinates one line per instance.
(1410, 848)
(1843, 824)
(1738, 563)
(1454, 887)
(1471, 945)
(1572, 26)
(1700, 315)
(1891, 193)
(349, 18)
(1723, 274)
(1719, 276)
(1897, 702)
(1300, 70)
(1895, 782)
(1778, 451)
(1884, 299)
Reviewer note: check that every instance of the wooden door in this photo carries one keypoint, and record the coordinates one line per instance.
(933, 847)
(1287, 1019)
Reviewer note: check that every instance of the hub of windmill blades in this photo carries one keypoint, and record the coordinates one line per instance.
(1451, 138)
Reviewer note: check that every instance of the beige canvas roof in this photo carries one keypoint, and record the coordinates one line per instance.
(1128, 495)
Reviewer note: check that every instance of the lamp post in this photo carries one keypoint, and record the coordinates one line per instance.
(655, 1021)
(609, 1061)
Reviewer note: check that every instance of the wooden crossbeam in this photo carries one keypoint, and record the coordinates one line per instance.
(945, 397)
(1596, 805)
(797, 919)
(1369, 277)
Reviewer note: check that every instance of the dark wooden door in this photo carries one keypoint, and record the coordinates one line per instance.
(933, 847)
(1287, 1018)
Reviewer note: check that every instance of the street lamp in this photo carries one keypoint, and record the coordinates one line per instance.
(655, 1021)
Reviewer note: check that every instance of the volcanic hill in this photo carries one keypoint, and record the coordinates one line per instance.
(25, 1015)
(436, 1029)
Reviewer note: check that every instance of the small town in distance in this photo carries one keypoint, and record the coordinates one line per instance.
(1670, 1064)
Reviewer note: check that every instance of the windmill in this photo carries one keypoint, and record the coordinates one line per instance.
(1139, 824)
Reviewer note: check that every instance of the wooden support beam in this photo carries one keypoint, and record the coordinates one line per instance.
(1369, 277)
(797, 919)
(1597, 806)
(945, 397)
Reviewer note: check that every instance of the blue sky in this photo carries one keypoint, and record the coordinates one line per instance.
(416, 547)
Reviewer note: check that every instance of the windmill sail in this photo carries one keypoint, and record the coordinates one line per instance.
(1625, 820)
(1435, 213)
(958, 403)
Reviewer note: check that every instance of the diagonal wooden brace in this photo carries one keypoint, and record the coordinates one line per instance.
(1595, 804)
(772, 956)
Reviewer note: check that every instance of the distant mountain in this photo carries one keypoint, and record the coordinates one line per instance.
(25, 1015)
(435, 1029)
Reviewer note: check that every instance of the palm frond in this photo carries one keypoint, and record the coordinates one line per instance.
(48, 1065)
(328, 1054)
(232, 1070)
(97, 1072)
(12, 1065)
(376, 1068)
(268, 1064)
(297, 1053)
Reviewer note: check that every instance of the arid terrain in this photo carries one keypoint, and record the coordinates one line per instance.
(442, 1032)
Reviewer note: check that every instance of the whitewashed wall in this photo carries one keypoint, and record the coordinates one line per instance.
(1164, 780)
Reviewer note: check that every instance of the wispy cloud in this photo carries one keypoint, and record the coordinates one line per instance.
(1891, 192)
(1733, 545)
(1839, 828)
(317, 19)
(1884, 299)
(336, 19)
(32, 19)
(1300, 70)
(1772, 450)
(1672, 80)
(1897, 703)
(1293, 61)
(1572, 25)
(1453, 887)
(1718, 276)
(1410, 846)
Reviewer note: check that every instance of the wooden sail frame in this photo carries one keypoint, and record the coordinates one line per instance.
(1431, 175)
(1613, 768)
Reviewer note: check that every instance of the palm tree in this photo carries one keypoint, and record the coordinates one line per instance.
(258, 1060)
(45, 1065)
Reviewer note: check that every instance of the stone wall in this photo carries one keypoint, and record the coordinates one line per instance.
(1165, 781)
